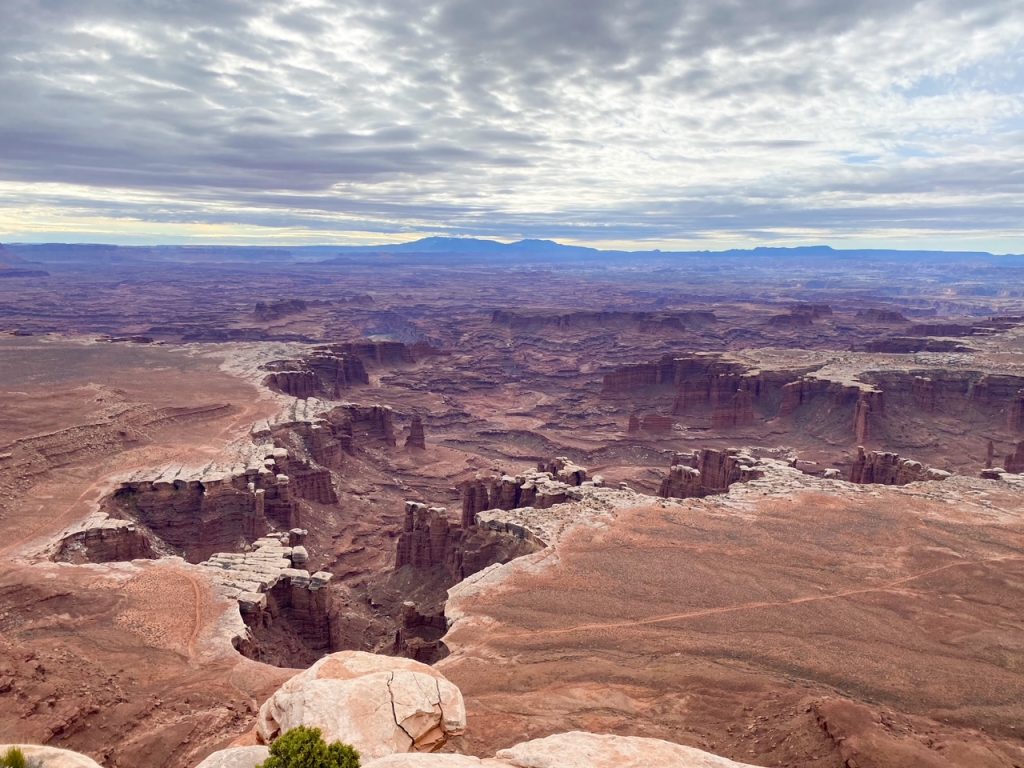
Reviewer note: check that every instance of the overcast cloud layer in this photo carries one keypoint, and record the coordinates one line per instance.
(690, 122)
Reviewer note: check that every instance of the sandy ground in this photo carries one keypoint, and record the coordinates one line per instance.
(753, 632)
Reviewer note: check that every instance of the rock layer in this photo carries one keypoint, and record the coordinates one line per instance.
(885, 468)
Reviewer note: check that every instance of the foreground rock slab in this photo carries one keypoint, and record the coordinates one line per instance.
(50, 757)
(236, 757)
(378, 704)
(574, 750)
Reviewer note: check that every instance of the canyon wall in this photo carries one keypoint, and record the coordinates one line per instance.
(872, 405)
(707, 472)
(885, 468)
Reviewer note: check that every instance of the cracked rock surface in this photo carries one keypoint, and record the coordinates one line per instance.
(378, 704)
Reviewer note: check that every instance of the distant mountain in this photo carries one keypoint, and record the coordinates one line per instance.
(468, 245)
(468, 251)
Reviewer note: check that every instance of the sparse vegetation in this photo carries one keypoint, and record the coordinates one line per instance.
(304, 747)
(13, 758)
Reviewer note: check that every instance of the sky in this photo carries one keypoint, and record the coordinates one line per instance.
(612, 123)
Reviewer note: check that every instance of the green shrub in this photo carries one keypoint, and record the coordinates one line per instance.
(304, 747)
(13, 758)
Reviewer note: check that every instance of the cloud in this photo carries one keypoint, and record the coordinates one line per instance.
(607, 120)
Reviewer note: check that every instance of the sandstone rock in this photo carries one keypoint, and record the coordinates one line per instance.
(416, 437)
(430, 540)
(379, 704)
(51, 757)
(588, 750)
(430, 761)
(236, 757)
(706, 472)
(1015, 461)
(887, 468)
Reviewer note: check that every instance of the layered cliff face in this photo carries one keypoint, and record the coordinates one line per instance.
(886, 468)
(279, 308)
(707, 472)
(324, 373)
(431, 541)
(102, 539)
(544, 320)
(329, 370)
(853, 407)
(416, 438)
(548, 486)
(1015, 461)
(287, 609)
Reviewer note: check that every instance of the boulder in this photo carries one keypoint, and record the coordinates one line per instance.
(379, 704)
(236, 757)
(591, 750)
(51, 757)
(430, 761)
(573, 750)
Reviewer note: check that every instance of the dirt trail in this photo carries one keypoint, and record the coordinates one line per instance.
(887, 587)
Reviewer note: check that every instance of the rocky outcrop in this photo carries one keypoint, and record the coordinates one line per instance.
(651, 422)
(904, 345)
(870, 405)
(416, 438)
(323, 373)
(102, 539)
(362, 424)
(881, 316)
(707, 472)
(376, 353)
(199, 512)
(550, 484)
(419, 634)
(591, 750)
(1015, 461)
(582, 320)
(329, 370)
(431, 541)
(272, 588)
(380, 705)
(562, 469)
(275, 310)
(573, 750)
(885, 468)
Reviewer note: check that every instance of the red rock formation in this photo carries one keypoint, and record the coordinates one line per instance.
(419, 635)
(374, 352)
(563, 470)
(207, 512)
(324, 373)
(1015, 413)
(362, 424)
(275, 310)
(886, 316)
(1015, 461)
(547, 320)
(416, 438)
(656, 423)
(633, 377)
(634, 424)
(706, 472)
(104, 540)
(861, 416)
(431, 541)
(886, 468)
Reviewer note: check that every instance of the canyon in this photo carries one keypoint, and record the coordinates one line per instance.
(767, 506)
